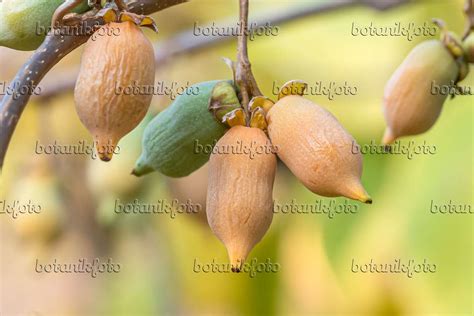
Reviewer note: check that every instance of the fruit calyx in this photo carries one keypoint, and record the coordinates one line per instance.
(455, 47)
(226, 107)
(110, 14)
(139, 20)
(292, 87)
(106, 14)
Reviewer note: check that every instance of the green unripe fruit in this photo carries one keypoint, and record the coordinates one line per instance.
(24, 23)
(180, 139)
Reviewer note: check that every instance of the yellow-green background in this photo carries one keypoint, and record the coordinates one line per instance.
(315, 253)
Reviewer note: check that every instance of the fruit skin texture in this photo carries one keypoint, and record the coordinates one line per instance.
(239, 195)
(469, 48)
(169, 142)
(410, 106)
(316, 148)
(108, 62)
(19, 20)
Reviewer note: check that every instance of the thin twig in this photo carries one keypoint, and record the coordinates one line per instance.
(53, 49)
(242, 69)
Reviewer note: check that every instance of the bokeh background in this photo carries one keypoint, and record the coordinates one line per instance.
(157, 252)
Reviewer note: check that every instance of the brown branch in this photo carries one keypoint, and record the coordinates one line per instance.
(66, 7)
(53, 49)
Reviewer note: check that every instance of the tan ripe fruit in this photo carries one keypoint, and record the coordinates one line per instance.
(113, 63)
(316, 148)
(413, 96)
(239, 195)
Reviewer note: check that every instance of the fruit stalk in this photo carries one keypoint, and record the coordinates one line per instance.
(62, 10)
(244, 77)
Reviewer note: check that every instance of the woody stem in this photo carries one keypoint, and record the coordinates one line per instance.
(121, 5)
(243, 73)
(62, 10)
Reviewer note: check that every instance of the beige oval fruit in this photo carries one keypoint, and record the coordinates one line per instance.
(110, 97)
(316, 148)
(414, 94)
(239, 195)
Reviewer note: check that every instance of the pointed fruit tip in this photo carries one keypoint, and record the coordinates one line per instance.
(105, 147)
(236, 265)
(105, 157)
(237, 259)
(364, 198)
(388, 137)
(141, 170)
(356, 191)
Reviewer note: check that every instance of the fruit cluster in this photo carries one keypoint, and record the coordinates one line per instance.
(305, 136)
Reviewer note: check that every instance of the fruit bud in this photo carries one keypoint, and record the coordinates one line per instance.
(410, 105)
(110, 65)
(316, 148)
(239, 195)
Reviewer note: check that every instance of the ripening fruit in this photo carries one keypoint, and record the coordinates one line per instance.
(239, 195)
(316, 148)
(122, 57)
(414, 96)
(469, 47)
(24, 23)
